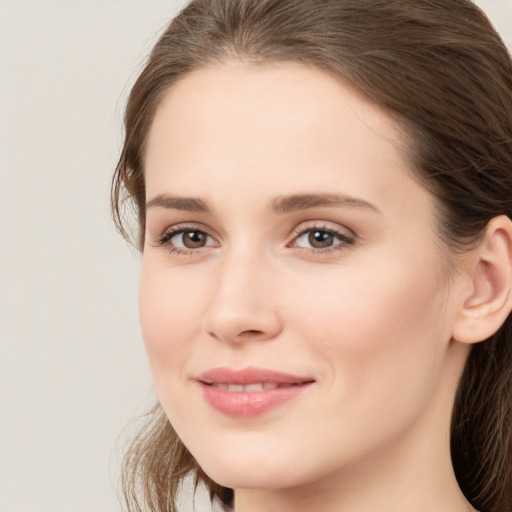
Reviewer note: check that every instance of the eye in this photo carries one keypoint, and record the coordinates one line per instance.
(185, 239)
(189, 239)
(321, 239)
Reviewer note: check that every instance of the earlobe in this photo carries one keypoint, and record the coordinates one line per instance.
(489, 301)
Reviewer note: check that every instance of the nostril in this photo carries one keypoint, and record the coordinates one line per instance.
(249, 333)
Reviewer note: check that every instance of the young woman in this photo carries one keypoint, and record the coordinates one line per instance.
(324, 194)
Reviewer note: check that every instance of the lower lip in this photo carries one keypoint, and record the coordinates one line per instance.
(244, 404)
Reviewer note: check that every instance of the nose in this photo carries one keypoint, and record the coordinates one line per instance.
(243, 305)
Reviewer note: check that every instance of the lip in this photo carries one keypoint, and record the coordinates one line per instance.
(221, 389)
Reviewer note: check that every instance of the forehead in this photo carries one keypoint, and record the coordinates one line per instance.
(293, 126)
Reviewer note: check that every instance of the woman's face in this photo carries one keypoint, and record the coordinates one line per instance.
(294, 300)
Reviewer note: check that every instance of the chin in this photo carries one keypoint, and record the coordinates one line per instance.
(245, 476)
(255, 469)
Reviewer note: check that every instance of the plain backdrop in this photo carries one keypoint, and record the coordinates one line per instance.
(73, 372)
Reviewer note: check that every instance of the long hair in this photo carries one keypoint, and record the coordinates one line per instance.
(442, 72)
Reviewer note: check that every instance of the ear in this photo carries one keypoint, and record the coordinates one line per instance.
(487, 301)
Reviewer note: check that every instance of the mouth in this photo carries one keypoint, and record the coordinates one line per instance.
(250, 379)
(251, 391)
(256, 387)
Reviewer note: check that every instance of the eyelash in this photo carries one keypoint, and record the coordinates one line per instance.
(344, 243)
(170, 233)
(345, 240)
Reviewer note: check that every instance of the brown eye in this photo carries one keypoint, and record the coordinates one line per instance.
(193, 239)
(320, 239)
(186, 239)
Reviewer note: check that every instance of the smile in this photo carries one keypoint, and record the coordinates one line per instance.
(250, 392)
(251, 388)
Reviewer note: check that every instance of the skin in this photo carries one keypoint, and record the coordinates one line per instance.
(371, 320)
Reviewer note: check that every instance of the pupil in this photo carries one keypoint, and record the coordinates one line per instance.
(194, 239)
(320, 239)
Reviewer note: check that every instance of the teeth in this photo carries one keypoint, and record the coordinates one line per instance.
(247, 388)
(253, 387)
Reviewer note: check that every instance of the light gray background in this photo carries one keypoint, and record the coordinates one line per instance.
(72, 367)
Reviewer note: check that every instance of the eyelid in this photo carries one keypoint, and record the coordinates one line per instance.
(347, 236)
(323, 225)
(171, 231)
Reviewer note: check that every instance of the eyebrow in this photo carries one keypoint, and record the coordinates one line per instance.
(189, 204)
(283, 204)
(299, 202)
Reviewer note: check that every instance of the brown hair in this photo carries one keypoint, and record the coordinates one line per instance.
(436, 66)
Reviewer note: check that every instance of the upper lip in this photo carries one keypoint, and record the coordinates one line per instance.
(250, 375)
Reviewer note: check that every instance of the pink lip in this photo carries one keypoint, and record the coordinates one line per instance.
(279, 388)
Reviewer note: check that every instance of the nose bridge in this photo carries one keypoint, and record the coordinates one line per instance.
(242, 305)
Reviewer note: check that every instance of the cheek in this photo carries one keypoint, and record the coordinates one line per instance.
(170, 317)
(382, 334)
(366, 308)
